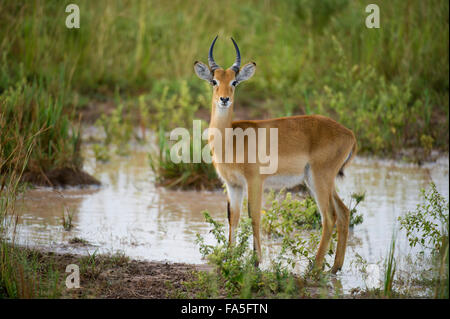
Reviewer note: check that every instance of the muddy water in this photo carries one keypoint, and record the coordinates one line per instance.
(128, 213)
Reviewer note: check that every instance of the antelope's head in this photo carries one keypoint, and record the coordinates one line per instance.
(223, 81)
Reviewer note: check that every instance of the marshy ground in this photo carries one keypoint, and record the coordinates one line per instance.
(118, 277)
(156, 227)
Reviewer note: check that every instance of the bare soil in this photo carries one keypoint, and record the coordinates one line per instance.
(117, 277)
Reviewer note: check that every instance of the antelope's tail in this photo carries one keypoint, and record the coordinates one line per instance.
(350, 156)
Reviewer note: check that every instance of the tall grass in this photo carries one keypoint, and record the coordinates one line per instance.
(21, 273)
(390, 267)
(27, 111)
(441, 288)
(392, 85)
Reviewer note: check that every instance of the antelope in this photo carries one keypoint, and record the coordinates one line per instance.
(313, 149)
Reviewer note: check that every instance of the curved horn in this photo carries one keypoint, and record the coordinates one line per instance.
(237, 64)
(212, 64)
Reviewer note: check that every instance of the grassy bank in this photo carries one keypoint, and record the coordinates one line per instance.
(21, 275)
(29, 114)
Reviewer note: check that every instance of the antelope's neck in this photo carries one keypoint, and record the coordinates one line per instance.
(221, 119)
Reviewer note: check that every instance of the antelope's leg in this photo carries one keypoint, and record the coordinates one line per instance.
(322, 187)
(343, 219)
(254, 211)
(235, 196)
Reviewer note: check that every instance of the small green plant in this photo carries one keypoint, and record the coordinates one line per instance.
(441, 289)
(67, 217)
(285, 213)
(428, 224)
(390, 267)
(118, 131)
(426, 142)
(144, 116)
(90, 265)
(101, 152)
(356, 199)
(231, 262)
(174, 106)
(235, 272)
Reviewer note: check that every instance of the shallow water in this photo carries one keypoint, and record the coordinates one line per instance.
(128, 213)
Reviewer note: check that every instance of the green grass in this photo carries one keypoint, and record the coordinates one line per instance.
(390, 266)
(28, 112)
(234, 273)
(22, 273)
(66, 219)
(286, 213)
(390, 85)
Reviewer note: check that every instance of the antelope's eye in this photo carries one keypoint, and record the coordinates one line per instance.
(214, 82)
(234, 83)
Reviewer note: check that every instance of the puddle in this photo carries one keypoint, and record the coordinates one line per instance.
(128, 213)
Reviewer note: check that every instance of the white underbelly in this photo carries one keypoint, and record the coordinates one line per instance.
(283, 181)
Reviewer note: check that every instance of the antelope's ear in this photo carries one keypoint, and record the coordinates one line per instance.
(202, 71)
(246, 72)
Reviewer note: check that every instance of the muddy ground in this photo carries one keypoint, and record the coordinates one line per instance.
(60, 177)
(117, 277)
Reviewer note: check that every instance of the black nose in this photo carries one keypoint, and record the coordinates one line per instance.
(224, 99)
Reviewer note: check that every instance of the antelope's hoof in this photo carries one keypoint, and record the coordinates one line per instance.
(335, 269)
